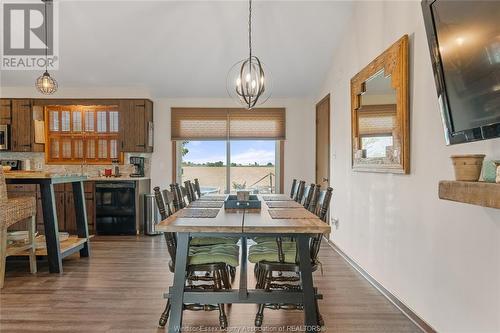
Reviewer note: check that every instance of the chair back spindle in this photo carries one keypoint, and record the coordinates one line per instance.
(189, 191)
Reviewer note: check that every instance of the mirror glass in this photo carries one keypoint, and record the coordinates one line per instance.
(378, 135)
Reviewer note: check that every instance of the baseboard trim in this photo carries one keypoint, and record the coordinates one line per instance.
(422, 324)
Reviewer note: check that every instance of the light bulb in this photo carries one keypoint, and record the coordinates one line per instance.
(238, 81)
(254, 83)
(247, 77)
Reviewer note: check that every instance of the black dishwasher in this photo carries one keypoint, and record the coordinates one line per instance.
(115, 208)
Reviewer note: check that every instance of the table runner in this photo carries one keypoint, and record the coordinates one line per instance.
(213, 198)
(276, 198)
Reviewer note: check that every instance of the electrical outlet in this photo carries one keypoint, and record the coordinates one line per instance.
(335, 222)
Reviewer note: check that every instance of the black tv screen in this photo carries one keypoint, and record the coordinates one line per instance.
(464, 40)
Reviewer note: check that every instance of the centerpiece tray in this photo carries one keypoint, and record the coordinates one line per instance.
(232, 202)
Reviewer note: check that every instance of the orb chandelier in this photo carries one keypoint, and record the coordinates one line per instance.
(46, 84)
(246, 80)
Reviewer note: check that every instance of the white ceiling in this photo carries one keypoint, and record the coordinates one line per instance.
(185, 48)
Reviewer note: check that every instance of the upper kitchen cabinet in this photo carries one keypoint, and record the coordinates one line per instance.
(22, 132)
(5, 111)
(136, 123)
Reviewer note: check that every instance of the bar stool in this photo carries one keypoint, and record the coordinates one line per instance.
(13, 211)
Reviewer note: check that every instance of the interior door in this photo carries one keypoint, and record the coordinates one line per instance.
(323, 142)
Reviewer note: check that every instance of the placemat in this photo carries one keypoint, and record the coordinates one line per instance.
(198, 213)
(206, 204)
(213, 198)
(283, 204)
(276, 198)
(291, 214)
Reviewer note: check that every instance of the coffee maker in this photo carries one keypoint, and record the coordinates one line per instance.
(138, 163)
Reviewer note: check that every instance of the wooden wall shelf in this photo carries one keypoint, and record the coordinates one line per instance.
(475, 193)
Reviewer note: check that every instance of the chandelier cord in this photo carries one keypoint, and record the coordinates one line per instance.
(250, 30)
(46, 37)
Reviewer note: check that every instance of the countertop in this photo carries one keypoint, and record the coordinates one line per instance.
(116, 179)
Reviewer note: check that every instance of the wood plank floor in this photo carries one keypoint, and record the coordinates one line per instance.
(119, 289)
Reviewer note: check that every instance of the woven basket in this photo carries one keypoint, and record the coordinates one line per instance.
(468, 167)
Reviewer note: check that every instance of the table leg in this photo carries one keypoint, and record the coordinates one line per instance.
(51, 228)
(307, 283)
(81, 216)
(175, 323)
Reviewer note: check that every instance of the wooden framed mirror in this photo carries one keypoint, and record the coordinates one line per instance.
(380, 113)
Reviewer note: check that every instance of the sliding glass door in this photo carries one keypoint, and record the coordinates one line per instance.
(229, 166)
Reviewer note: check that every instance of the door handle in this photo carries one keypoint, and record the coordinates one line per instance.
(326, 179)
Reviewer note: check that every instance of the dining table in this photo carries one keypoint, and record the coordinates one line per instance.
(46, 182)
(296, 222)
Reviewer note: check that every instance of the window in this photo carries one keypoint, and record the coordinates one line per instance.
(229, 166)
(82, 134)
(229, 149)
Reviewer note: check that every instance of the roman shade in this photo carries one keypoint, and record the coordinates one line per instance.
(224, 124)
(377, 119)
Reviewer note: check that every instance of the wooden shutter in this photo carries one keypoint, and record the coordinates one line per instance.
(223, 124)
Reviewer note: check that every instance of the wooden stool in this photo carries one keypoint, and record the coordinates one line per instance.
(13, 211)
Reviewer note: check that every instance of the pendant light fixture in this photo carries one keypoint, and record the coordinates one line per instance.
(46, 84)
(246, 80)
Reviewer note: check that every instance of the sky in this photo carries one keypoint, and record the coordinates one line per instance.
(242, 152)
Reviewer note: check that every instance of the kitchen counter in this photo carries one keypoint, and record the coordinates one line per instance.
(117, 179)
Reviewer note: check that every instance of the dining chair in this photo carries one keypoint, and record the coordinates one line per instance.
(12, 211)
(273, 258)
(178, 200)
(313, 205)
(300, 191)
(294, 188)
(206, 264)
(308, 195)
(189, 191)
(197, 187)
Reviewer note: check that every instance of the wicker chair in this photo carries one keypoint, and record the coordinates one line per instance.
(13, 211)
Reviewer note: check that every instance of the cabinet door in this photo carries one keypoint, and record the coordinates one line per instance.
(89, 205)
(149, 126)
(21, 129)
(133, 126)
(70, 216)
(5, 111)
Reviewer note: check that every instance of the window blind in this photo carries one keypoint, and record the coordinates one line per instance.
(376, 119)
(223, 124)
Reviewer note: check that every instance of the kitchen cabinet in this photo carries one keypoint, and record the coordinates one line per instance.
(136, 125)
(18, 114)
(5, 111)
(21, 128)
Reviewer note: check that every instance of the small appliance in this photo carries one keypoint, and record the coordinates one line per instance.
(138, 163)
(4, 137)
(14, 164)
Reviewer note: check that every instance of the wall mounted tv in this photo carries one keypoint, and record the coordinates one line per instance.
(464, 41)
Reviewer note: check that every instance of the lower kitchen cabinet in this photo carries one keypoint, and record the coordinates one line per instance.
(64, 202)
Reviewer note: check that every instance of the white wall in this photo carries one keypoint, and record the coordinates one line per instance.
(439, 257)
(299, 146)
(300, 123)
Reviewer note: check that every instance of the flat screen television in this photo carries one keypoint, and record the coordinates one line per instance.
(464, 41)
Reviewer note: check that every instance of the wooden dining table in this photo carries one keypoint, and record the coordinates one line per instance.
(245, 223)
